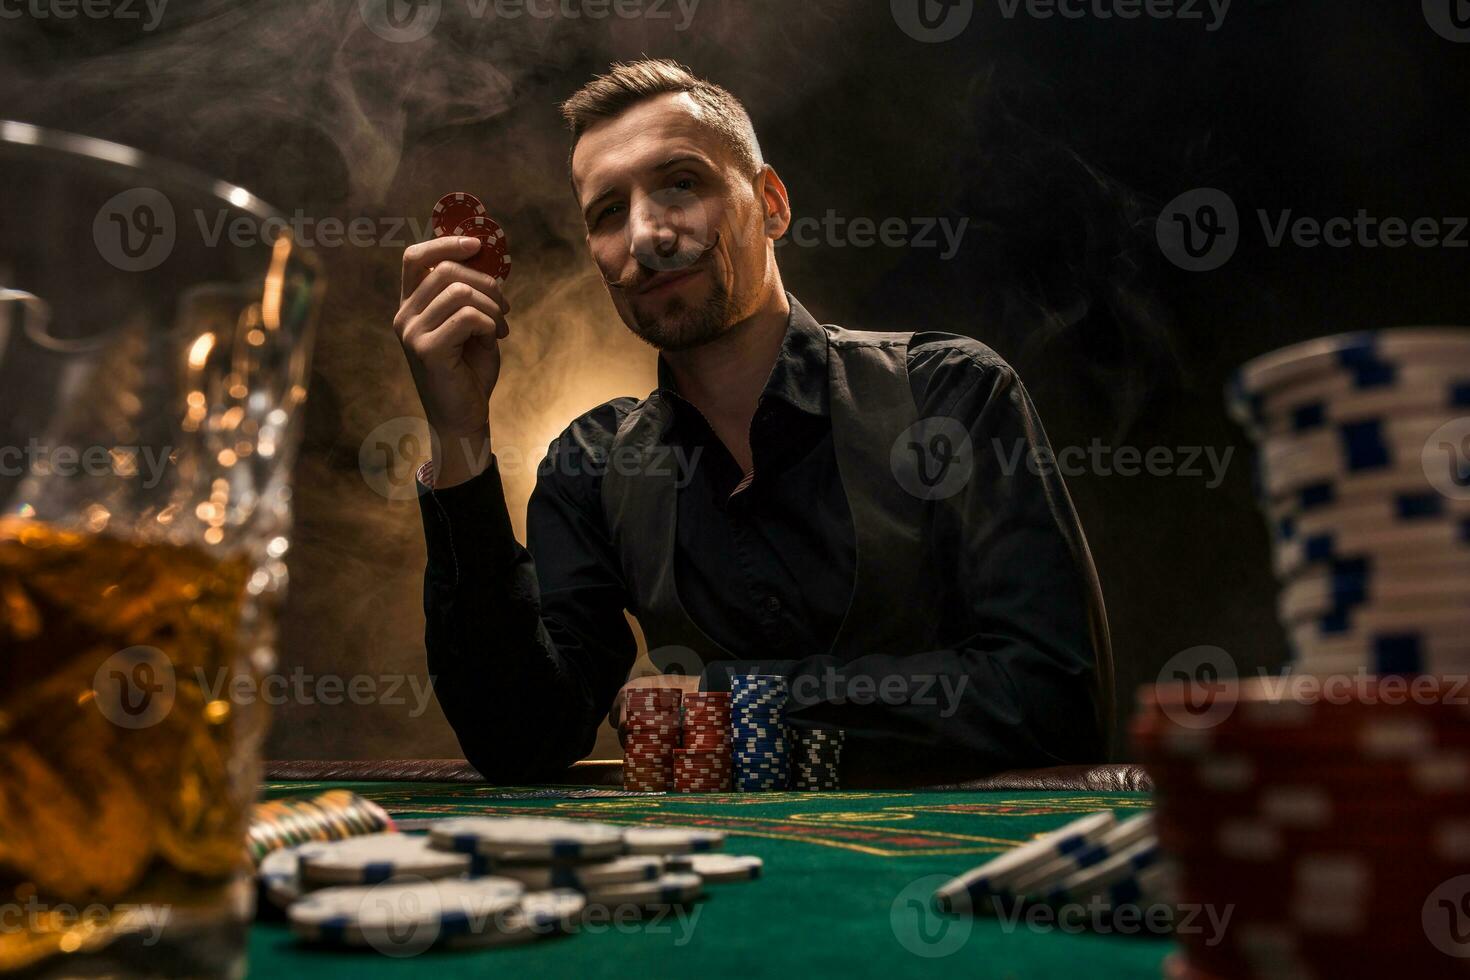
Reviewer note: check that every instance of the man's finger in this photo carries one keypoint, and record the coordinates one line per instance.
(420, 258)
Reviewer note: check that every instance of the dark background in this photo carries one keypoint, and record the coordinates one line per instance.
(1059, 140)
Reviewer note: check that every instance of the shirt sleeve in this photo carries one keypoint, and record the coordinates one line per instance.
(526, 653)
(1027, 680)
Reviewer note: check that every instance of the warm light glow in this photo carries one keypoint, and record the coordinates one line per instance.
(275, 284)
(199, 351)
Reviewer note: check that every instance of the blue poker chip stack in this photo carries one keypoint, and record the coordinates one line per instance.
(759, 740)
(1364, 473)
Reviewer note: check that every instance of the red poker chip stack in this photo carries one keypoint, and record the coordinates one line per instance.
(651, 718)
(1331, 820)
(703, 764)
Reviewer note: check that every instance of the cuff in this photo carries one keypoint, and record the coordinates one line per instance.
(468, 524)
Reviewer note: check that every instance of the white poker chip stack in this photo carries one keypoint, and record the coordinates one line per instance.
(1364, 475)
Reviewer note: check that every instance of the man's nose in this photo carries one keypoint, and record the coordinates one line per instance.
(654, 229)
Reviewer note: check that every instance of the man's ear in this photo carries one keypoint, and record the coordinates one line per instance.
(774, 200)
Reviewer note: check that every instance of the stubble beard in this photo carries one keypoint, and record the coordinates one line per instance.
(680, 326)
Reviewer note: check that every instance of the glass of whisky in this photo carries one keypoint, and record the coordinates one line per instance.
(155, 337)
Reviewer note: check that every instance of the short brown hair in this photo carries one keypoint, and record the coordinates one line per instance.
(628, 83)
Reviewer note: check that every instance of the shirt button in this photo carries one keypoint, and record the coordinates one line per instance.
(772, 604)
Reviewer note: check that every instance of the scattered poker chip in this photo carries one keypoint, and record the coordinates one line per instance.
(1097, 880)
(671, 840)
(377, 858)
(454, 210)
(536, 915)
(279, 875)
(332, 815)
(493, 258)
(1113, 841)
(527, 838)
(719, 868)
(675, 888)
(619, 870)
(993, 879)
(391, 915)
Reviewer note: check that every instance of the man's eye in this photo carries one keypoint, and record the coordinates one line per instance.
(610, 209)
(684, 183)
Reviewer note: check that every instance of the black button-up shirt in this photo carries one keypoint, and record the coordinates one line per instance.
(529, 645)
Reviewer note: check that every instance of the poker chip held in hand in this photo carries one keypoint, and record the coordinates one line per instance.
(464, 215)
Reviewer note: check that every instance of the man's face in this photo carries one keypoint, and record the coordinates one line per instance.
(678, 231)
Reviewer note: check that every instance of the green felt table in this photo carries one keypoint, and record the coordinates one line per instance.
(844, 893)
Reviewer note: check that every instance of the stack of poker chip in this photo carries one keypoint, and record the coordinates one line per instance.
(702, 763)
(816, 759)
(1364, 446)
(1330, 821)
(651, 726)
(489, 881)
(759, 741)
(333, 815)
(1097, 863)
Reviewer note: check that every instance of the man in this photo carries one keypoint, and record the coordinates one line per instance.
(857, 511)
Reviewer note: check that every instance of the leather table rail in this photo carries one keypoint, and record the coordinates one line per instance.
(1107, 777)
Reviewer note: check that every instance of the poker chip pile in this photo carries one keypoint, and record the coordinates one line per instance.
(759, 739)
(702, 763)
(651, 734)
(487, 881)
(333, 815)
(1332, 820)
(1364, 446)
(1097, 862)
(816, 759)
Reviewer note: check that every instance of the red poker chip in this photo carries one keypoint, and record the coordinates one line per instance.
(493, 258)
(655, 694)
(454, 210)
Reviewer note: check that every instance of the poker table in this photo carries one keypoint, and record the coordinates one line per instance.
(845, 890)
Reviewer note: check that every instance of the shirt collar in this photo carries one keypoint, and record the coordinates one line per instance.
(799, 376)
